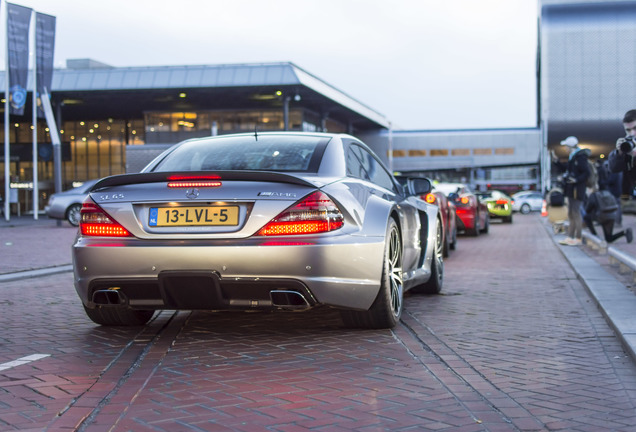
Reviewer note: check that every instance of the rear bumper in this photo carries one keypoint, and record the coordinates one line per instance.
(500, 213)
(233, 274)
(466, 219)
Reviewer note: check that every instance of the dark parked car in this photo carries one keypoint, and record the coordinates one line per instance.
(258, 221)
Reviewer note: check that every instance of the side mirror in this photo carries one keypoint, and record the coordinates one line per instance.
(419, 186)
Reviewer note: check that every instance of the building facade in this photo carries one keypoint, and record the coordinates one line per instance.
(588, 65)
(114, 120)
(506, 159)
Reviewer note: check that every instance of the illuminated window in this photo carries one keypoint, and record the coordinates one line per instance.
(416, 153)
(482, 152)
(399, 153)
(505, 151)
(439, 152)
(460, 152)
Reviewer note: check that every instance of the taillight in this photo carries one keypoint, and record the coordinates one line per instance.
(430, 198)
(465, 200)
(95, 222)
(177, 181)
(502, 201)
(316, 213)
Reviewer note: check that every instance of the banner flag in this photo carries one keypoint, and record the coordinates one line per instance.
(44, 48)
(18, 23)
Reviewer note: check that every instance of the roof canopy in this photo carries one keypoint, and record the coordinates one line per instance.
(100, 92)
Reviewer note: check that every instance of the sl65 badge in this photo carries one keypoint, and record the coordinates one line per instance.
(110, 197)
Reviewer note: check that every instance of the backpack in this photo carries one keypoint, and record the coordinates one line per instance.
(607, 206)
(556, 198)
(592, 179)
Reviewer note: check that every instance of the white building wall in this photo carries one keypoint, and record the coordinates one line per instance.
(434, 150)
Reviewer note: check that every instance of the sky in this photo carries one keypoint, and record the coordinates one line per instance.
(424, 64)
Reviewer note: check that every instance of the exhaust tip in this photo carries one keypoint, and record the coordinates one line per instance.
(288, 299)
(109, 297)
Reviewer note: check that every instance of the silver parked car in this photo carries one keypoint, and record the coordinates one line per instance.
(258, 221)
(527, 201)
(67, 204)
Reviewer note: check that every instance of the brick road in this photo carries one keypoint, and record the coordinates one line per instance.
(513, 344)
(26, 244)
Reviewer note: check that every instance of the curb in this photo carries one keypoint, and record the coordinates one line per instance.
(8, 277)
(613, 299)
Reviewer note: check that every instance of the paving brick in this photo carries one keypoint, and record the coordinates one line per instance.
(51, 244)
(513, 343)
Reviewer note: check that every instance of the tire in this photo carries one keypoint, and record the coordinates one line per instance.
(434, 284)
(486, 225)
(73, 214)
(453, 244)
(475, 231)
(118, 316)
(508, 219)
(386, 310)
(525, 208)
(447, 247)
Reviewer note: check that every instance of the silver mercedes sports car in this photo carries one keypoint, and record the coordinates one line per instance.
(278, 220)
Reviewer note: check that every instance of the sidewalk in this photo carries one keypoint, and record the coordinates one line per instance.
(608, 289)
(27, 244)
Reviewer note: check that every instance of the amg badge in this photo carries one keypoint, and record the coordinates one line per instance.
(277, 194)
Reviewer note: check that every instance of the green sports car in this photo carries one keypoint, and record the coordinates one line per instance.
(499, 204)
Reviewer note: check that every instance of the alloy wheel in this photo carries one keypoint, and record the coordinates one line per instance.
(395, 271)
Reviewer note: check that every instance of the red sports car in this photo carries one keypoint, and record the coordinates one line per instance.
(448, 210)
(472, 214)
(447, 213)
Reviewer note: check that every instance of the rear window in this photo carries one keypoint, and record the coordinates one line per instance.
(446, 188)
(267, 153)
(492, 194)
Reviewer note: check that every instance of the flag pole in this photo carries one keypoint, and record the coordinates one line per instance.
(7, 159)
(36, 192)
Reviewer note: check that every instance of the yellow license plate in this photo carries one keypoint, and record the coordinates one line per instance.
(193, 216)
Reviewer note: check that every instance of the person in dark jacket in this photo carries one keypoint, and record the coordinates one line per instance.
(615, 186)
(622, 158)
(602, 172)
(576, 172)
(596, 210)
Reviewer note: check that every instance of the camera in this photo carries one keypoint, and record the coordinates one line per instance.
(627, 145)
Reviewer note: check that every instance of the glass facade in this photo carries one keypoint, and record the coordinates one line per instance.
(97, 148)
(90, 149)
(172, 127)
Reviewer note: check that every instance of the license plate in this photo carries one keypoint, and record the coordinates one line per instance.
(193, 216)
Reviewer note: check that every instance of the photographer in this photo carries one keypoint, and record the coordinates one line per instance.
(601, 207)
(621, 160)
(576, 172)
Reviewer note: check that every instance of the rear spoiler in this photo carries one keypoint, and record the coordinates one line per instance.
(159, 177)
